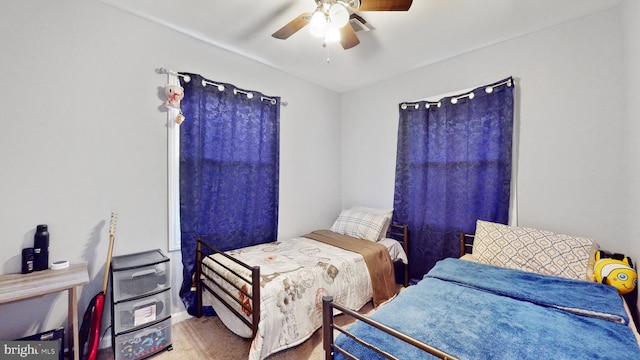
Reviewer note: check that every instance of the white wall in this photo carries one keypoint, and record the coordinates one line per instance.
(631, 37)
(82, 134)
(572, 164)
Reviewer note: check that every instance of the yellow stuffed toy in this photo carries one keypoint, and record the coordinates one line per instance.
(616, 271)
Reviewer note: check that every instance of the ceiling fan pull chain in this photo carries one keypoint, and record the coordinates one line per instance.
(328, 58)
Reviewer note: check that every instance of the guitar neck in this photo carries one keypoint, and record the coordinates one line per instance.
(108, 264)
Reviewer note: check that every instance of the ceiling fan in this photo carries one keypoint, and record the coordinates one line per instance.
(331, 18)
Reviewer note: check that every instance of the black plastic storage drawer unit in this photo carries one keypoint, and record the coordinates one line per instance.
(141, 306)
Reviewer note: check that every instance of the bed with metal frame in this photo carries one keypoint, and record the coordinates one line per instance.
(422, 324)
(237, 287)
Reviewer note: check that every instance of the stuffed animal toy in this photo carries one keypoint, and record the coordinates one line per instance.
(615, 270)
(174, 95)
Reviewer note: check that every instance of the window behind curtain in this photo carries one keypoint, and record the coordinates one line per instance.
(453, 167)
(229, 168)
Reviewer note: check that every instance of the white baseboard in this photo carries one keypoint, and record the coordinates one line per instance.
(180, 316)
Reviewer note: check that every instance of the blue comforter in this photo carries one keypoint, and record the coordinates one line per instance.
(477, 311)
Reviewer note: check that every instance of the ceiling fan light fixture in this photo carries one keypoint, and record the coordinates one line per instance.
(339, 15)
(332, 35)
(318, 24)
(355, 4)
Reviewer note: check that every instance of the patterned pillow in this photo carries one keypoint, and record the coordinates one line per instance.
(388, 213)
(533, 250)
(359, 224)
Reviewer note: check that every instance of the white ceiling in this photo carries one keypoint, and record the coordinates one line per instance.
(431, 31)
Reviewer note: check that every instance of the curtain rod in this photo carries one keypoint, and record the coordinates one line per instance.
(454, 99)
(220, 87)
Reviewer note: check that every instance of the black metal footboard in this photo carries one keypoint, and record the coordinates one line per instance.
(239, 308)
(328, 327)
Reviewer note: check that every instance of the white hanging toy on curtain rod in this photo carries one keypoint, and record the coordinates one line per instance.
(174, 95)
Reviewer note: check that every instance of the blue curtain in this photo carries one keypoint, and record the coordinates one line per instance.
(453, 167)
(229, 165)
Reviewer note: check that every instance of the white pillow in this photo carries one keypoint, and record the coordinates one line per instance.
(359, 224)
(533, 250)
(395, 250)
(387, 213)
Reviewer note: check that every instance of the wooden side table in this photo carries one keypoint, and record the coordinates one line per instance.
(16, 287)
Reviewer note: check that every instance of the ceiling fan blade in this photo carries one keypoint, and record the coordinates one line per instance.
(348, 37)
(292, 27)
(385, 5)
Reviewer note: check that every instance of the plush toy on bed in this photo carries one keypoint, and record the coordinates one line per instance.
(615, 270)
(174, 95)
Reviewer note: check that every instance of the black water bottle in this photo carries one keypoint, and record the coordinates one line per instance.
(41, 248)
